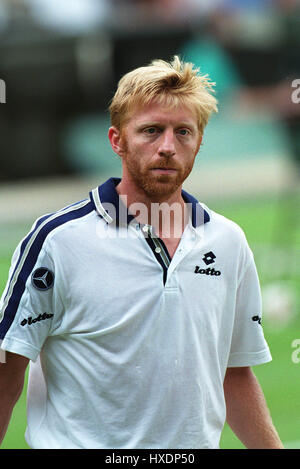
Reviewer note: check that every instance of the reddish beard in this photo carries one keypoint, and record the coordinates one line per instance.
(154, 185)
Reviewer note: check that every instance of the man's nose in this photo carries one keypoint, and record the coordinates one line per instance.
(167, 143)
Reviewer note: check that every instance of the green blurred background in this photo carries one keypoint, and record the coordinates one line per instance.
(61, 67)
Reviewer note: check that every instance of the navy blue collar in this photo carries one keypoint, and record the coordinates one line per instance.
(109, 205)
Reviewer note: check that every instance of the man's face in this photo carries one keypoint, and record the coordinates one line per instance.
(158, 148)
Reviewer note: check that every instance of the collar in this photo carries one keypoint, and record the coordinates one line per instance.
(109, 206)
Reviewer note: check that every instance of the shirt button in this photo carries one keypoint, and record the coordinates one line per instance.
(157, 250)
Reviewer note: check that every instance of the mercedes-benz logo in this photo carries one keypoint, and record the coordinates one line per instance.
(42, 278)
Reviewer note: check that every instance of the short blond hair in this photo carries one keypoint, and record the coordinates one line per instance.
(171, 84)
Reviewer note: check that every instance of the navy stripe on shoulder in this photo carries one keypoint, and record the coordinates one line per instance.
(30, 250)
(25, 242)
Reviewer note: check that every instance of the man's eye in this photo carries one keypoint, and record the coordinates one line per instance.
(183, 131)
(151, 130)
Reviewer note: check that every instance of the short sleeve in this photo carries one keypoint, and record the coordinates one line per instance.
(29, 303)
(248, 346)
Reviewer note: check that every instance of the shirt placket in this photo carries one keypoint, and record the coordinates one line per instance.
(161, 254)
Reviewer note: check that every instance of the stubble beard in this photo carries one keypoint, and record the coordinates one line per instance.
(155, 186)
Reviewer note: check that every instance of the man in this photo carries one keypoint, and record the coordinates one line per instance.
(138, 307)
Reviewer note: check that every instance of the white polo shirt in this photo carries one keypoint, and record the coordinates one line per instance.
(128, 347)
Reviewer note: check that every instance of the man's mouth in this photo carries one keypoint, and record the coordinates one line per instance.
(164, 170)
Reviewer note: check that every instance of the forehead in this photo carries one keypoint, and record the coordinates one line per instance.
(158, 113)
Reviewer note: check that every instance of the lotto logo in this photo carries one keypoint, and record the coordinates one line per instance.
(40, 317)
(209, 258)
(207, 271)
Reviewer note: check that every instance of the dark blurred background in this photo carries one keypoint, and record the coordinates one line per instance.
(61, 61)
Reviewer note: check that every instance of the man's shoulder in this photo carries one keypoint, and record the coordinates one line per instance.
(46, 226)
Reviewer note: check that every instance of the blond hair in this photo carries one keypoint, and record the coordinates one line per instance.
(170, 84)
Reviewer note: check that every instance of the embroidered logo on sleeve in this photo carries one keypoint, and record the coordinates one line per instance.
(42, 278)
(257, 318)
(31, 320)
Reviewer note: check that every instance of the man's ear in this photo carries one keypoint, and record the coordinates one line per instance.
(115, 139)
(199, 144)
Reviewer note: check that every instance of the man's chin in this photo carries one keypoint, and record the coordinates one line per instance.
(162, 186)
